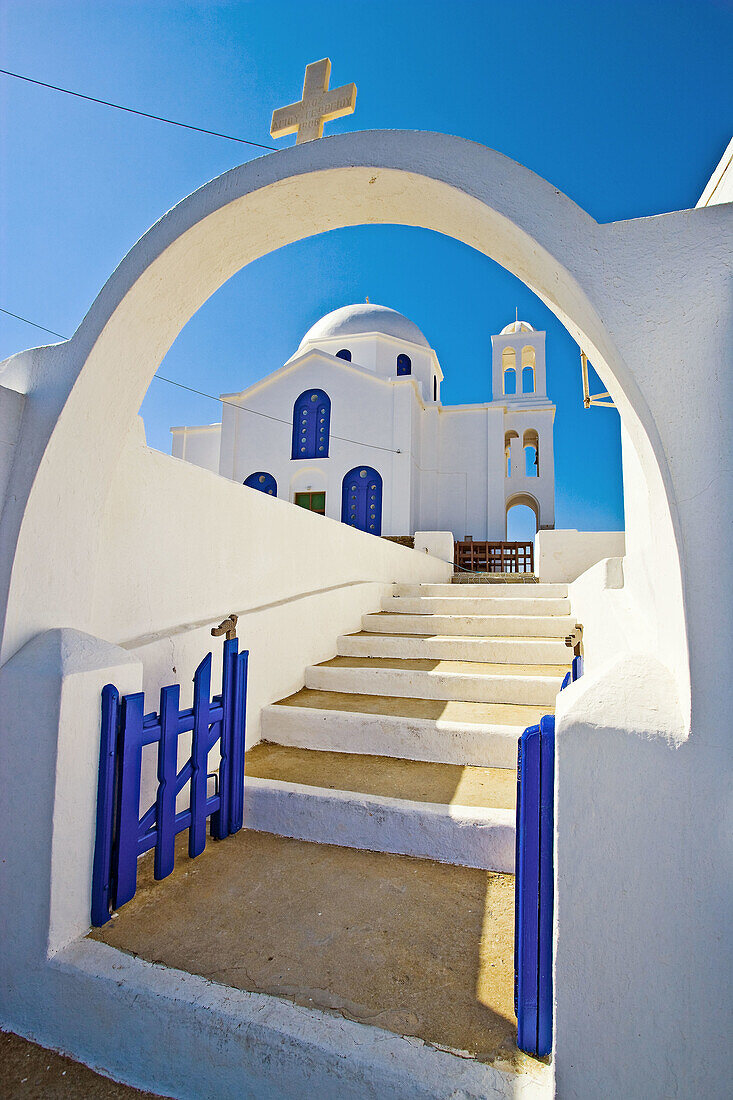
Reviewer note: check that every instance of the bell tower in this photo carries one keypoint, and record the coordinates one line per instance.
(518, 365)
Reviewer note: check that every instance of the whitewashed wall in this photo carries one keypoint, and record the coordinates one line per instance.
(644, 749)
(182, 547)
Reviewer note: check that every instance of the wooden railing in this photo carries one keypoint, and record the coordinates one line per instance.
(494, 557)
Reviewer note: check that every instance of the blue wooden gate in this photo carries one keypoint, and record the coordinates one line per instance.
(122, 836)
(534, 882)
(361, 500)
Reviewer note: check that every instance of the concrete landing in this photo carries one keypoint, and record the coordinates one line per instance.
(414, 947)
(416, 780)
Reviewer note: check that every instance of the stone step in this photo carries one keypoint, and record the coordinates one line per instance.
(483, 626)
(445, 647)
(481, 589)
(484, 734)
(470, 605)
(537, 685)
(443, 812)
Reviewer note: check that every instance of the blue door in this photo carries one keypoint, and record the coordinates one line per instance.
(311, 425)
(361, 500)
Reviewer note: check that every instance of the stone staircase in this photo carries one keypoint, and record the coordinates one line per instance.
(406, 740)
(403, 744)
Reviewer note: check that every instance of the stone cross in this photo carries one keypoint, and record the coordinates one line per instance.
(317, 106)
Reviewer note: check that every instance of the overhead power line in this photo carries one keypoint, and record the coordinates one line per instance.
(268, 416)
(41, 327)
(211, 397)
(132, 111)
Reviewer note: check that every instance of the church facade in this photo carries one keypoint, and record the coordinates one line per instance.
(353, 427)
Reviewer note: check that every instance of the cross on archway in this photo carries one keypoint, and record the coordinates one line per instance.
(317, 106)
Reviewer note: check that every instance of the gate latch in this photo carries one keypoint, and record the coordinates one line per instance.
(228, 627)
(574, 640)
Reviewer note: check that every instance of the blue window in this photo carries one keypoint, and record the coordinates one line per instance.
(344, 354)
(404, 364)
(264, 482)
(311, 425)
(361, 500)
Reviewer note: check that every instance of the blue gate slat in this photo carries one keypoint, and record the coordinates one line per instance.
(527, 879)
(534, 884)
(236, 768)
(182, 821)
(220, 820)
(128, 810)
(214, 733)
(167, 769)
(199, 753)
(102, 867)
(546, 884)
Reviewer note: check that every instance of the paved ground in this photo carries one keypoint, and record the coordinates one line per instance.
(416, 780)
(30, 1072)
(415, 947)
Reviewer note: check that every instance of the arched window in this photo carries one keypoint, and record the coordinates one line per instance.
(531, 445)
(528, 363)
(508, 437)
(264, 482)
(509, 370)
(344, 354)
(404, 364)
(361, 500)
(435, 387)
(311, 425)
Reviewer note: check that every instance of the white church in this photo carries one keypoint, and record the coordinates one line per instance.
(352, 427)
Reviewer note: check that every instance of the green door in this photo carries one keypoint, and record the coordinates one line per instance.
(314, 502)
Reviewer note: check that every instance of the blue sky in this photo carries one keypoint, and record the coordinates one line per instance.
(624, 106)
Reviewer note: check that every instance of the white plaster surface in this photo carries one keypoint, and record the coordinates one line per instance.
(489, 745)
(465, 835)
(11, 414)
(246, 1044)
(296, 580)
(437, 543)
(561, 556)
(49, 749)
(719, 187)
(644, 864)
(527, 686)
(441, 466)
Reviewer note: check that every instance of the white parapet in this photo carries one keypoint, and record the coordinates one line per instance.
(561, 556)
(437, 543)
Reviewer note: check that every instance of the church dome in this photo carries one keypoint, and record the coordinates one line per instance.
(516, 326)
(359, 320)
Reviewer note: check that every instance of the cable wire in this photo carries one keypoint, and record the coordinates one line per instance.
(132, 111)
(41, 327)
(211, 397)
(268, 416)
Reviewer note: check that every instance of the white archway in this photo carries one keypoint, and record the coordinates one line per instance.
(86, 392)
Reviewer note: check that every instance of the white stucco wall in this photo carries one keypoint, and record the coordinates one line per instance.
(207, 547)
(11, 415)
(719, 187)
(561, 556)
(441, 466)
(199, 445)
(643, 863)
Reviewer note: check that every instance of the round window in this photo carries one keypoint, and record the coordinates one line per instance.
(262, 479)
(362, 473)
(314, 397)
